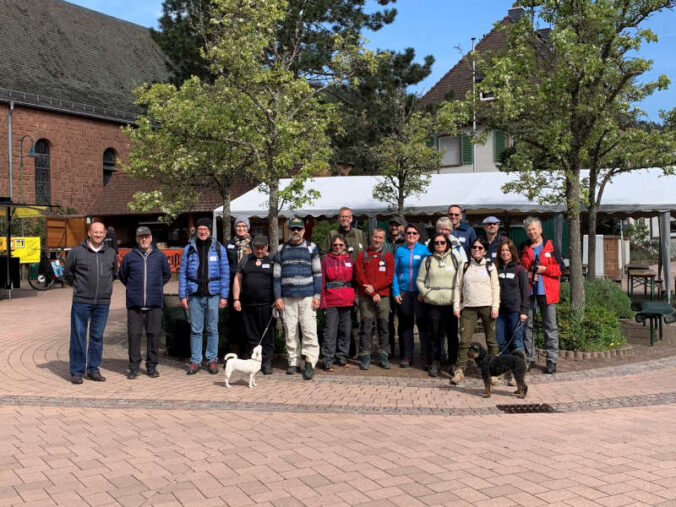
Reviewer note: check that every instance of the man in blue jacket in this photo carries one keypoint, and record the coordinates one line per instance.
(144, 271)
(203, 287)
(462, 231)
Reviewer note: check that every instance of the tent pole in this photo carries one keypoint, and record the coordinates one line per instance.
(665, 251)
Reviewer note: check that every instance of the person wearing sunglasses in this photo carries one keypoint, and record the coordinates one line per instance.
(464, 232)
(437, 282)
(407, 261)
(337, 300)
(480, 290)
(297, 285)
(491, 233)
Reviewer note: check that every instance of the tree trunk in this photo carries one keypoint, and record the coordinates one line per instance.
(591, 233)
(227, 228)
(273, 216)
(574, 244)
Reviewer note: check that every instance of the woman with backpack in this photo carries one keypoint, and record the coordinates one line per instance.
(514, 299)
(337, 299)
(480, 291)
(437, 283)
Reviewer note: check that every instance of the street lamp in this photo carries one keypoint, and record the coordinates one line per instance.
(31, 153)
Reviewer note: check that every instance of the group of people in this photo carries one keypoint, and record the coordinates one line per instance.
(442, 287)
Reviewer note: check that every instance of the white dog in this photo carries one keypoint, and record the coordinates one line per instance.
(246, 366)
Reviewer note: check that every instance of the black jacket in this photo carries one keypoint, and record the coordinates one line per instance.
(514, 296)
(91, 273)
(145, 277)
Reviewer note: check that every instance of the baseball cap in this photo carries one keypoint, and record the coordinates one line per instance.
(260, 240)
(296, 222)
(491, 220)
(143, 231)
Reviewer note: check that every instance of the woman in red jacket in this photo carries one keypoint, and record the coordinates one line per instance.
(337, 301)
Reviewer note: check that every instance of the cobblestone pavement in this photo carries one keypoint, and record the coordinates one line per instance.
(337, 440)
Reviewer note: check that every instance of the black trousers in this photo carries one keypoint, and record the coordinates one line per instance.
(254, 318)
(440, 322)
(137, 321)
(410, 312)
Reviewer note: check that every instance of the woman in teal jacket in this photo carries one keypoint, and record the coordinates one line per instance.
(407, 261)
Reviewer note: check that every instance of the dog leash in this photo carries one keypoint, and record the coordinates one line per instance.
(272, 316)
(519, 325)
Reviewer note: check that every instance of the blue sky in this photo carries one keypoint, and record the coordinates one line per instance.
(444, 28)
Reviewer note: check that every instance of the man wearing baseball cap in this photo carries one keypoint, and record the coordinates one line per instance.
(144, 271)
(491, 226)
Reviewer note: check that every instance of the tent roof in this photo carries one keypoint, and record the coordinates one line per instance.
(639, 192)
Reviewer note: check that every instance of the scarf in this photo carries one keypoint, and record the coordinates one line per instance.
(243, 245)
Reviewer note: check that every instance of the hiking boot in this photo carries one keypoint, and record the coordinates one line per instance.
(96, 377)
(433, 370)
(551, 367)
(213, 367)
(309, 371)
(193, 368)
(384, 362)
(132, 374)
(76, 379)
(365, 362)
(266, 369)
(405, 363)
(458, 377)
(152, 372)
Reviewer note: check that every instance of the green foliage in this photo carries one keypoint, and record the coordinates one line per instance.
(321, 230)
(599, 327)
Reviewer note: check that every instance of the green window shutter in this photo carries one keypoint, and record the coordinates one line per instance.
(466, 149)
(499, 144)
(432, 141)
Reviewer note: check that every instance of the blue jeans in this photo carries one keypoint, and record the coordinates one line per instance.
(504, 332)
(203, 311)
(81, 356)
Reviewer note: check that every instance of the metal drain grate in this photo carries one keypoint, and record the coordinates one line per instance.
(527, 408)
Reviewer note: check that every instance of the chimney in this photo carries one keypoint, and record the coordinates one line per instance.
(514, 14)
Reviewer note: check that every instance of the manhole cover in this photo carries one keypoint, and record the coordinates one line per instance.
(527, 408)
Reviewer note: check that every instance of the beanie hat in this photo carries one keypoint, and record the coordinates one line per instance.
(204, 221)
(242, 219)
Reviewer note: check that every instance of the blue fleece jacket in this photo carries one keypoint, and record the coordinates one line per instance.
(406, 265)
(466, 235)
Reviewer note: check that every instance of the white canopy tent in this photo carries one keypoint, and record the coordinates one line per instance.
(638, 193)
(642, 192)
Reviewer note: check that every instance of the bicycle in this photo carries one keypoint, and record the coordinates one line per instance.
(41, 274)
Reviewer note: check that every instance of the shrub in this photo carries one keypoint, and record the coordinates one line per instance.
(605, 293)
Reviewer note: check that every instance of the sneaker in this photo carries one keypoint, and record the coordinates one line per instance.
(266, 369)
(433, 370)
(384, 362)
(551, 367)
(193, 368)
(152, 372)
(405, 363)
(76, 379)
(365, 362)
(96, 376)
(213, 367)
(309, 371)
(132, 374)
(458, 376)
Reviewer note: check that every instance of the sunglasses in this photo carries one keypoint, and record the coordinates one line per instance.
(411, 233)
(439, 242)
(454, 214)
(337, 244)
(477, 248)
(296, 228)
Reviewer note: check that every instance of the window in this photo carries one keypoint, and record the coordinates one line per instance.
(42, 173)
(108, 165)
(457, 150)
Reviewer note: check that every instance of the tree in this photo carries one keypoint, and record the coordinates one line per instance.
(561, 94)
(181, 143)
(405, 157)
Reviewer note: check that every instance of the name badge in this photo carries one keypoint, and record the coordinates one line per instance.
(350, 249)
(309, 249)
(382, 269)
(348, 264)
(416, 257)
(510, 275)
(381, 263)
(547, 254)
(462, 239)
(501, 275)
(494, 254)
(449, 268)
(265, 266)
(230, 247)
(213, 257)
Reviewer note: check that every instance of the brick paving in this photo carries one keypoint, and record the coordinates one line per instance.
(341, 439)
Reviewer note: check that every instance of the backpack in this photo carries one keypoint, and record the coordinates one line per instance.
(218, 250)
(488, 265)
(428, 263)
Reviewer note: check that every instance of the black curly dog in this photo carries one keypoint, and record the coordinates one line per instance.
(492, 366)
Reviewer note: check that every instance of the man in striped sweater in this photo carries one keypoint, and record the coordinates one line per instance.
(297, 284)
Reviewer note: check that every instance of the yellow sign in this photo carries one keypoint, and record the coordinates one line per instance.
(27, 249)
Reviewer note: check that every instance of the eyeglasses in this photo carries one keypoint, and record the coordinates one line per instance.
(296, 228)
(337, 245)
(454, 214)
(440, 243)
(489, 225)
(477, 247)
(411, 233)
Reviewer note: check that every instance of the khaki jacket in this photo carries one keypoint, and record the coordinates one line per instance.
(439, 278)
